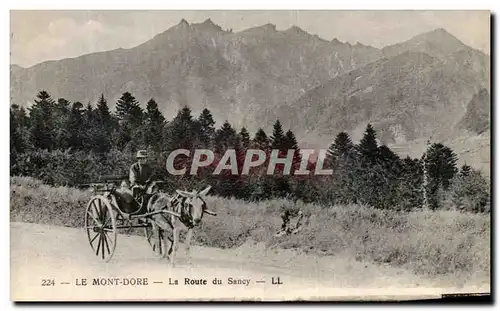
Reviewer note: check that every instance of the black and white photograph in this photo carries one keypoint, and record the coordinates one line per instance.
(250, 155)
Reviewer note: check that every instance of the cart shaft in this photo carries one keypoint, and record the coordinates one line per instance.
(155, 213)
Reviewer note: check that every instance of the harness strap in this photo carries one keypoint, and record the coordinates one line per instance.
(180, 207)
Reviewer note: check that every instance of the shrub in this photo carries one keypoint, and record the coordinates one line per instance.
(471, 192)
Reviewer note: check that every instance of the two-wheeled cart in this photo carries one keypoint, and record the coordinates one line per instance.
(104, 217)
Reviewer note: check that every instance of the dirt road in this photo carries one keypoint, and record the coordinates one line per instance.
(53, 263)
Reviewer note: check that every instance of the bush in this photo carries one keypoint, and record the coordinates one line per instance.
(471, 192)
(65, 168)
(33, 201)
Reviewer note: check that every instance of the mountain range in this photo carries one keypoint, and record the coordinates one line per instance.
(431, 85)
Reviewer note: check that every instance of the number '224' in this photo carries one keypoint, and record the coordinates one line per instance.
(48, 282)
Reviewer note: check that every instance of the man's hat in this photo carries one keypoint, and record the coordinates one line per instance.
(141, 154)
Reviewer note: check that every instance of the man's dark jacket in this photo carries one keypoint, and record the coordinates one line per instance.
(139, 174)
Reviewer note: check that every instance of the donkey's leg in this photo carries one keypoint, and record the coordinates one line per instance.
(189, 237)
(175, 245)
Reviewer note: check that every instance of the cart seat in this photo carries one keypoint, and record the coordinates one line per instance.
(126, 202)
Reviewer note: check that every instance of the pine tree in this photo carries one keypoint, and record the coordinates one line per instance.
(91, 130)
(127, 108)
(341, 146)
(130, 116)
(261, 141)
(372, 178)
(226, 138)
(206, 129)
(391, 170)
(16, 145)
(244, 138)
(387, 157)
(181, 132)
(279, 185)
(257, 183)
(42, 121)
(61, 121)
(278, 137)
(441, 168)
(441, 162)
(20, 114)
(154, 125)
(367, 147)
(104, 125)
(289, 141)
(103, 114)
(76, 126)
(342, 187)
(19, 134)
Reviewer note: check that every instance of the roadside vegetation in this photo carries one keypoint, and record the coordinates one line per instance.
(425, 241)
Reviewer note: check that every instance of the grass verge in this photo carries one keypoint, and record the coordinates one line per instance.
(426, 242)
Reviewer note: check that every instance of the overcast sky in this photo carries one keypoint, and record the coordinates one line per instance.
(38, 36)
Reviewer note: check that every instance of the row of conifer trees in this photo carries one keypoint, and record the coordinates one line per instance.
(69, 144)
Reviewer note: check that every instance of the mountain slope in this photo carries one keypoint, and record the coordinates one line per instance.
(405, 97)
(436, 43)
(236, 75)
(412, 90)
(477, 116)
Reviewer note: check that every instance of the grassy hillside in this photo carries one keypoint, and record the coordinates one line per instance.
(426, 242)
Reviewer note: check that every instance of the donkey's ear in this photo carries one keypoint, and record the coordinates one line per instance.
(205, 191)
(184, 193)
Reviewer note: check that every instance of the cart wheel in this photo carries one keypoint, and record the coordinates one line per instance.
(100, 224)
(156, 239)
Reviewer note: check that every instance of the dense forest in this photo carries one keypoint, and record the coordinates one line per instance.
(67, 143)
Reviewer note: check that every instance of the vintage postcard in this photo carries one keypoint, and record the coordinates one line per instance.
(249, 155)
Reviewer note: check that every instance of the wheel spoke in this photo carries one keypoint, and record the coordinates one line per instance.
(105, 239)
(107, 222)
(103, 211)
(98, 212)
(102, 249)
(105, 219)
(96, 220)
(159, 243)
(110, 239)
(99, 245)
(93, 239)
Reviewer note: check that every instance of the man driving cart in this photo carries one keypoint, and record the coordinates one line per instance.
(140, 174)
(133, 197)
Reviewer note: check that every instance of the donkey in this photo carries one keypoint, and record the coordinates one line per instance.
(190, 206)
